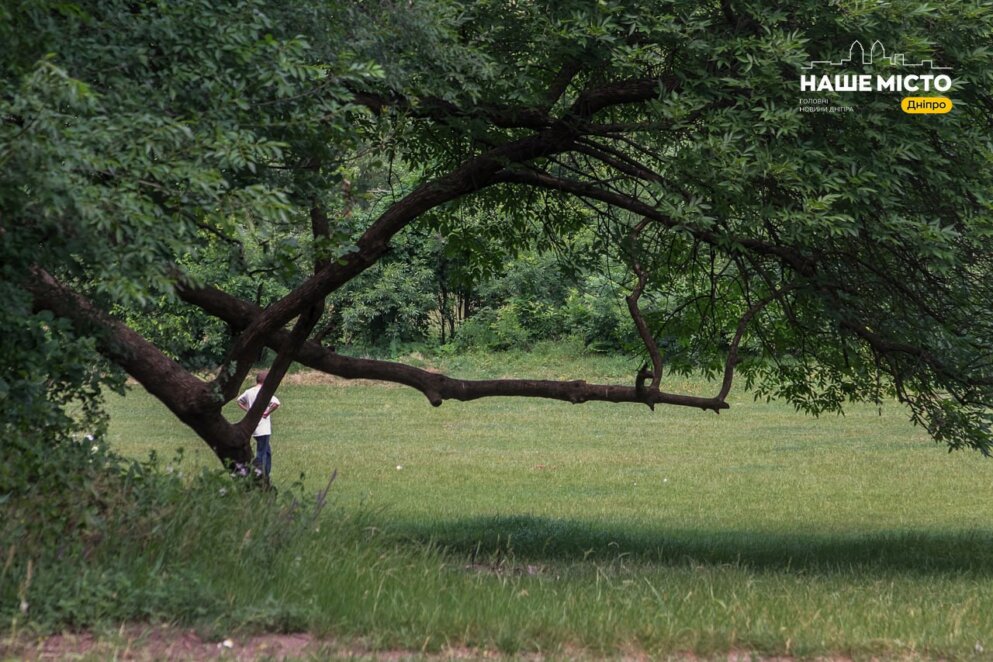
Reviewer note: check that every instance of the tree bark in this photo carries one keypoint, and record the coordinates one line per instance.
(436, 387)
(192, 400)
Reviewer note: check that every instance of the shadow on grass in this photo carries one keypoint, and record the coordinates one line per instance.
(539, 539)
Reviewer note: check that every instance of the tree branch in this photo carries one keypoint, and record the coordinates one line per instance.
(798, 262)
(561, 82)
(639, 320)
(471, 176)
(883, 346)
(437, 388)
(183, 393)
(286, 352)
(193, 401)
(732, 357)
(634, 90)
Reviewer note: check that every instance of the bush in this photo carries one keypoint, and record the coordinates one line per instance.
(601, 321)
(391, 304)
(493, 330)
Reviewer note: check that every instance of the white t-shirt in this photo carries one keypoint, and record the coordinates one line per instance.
(265, 424)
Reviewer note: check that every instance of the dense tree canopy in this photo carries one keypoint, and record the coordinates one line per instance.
(248, 160)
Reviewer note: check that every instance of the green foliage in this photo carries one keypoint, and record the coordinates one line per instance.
(138, 139)
(879, 221)
(538, 297)
(390, 304)
(187, 142)
(493, 330)
(187, 334)
(117, 183)
(597, 315)
(51, 384)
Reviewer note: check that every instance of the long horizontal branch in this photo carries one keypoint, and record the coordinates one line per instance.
(436, 387)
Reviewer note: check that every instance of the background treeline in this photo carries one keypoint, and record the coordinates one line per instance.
(424, 294)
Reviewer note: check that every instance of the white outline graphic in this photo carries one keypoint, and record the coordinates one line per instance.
(898, 60)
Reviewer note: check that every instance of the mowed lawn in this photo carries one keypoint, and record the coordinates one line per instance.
(602, 527)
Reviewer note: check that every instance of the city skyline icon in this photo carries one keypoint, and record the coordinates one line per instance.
(870, 56)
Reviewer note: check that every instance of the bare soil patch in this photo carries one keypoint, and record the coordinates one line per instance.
(159, 643)
(147, 642)
(317, 378)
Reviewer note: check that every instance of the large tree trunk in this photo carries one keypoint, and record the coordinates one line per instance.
(196, 403)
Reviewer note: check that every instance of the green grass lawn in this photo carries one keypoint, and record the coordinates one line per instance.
(528, 525)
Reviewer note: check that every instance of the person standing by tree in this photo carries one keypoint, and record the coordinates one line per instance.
(263, 431)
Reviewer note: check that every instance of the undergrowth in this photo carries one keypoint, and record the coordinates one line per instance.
(96, 539)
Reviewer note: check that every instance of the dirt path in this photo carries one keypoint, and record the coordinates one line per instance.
(140, 643)
(157, 643)
(165, 643)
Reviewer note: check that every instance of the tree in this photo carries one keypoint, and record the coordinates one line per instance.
(826, 257)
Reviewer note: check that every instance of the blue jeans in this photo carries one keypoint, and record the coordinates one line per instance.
(264, 453)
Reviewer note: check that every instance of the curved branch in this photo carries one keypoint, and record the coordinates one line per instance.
(639, 319)
(473, 175)
(732, 358)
